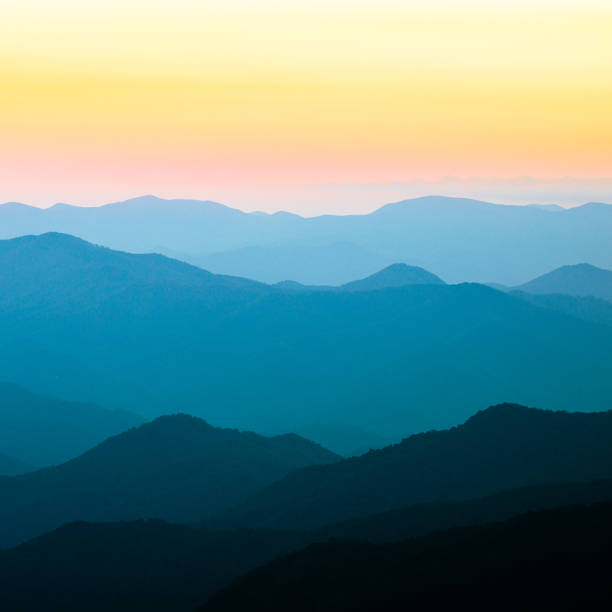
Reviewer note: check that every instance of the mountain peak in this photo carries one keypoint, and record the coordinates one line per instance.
(506, 446)
(395, 275)
(579, 280)
(177, 468)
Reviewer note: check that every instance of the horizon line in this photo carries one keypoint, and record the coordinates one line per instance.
(149, 196)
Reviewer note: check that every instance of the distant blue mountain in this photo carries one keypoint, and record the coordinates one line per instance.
(582, 280)
(395, 275)
(328, 264)
(460, 239)
(176, 468)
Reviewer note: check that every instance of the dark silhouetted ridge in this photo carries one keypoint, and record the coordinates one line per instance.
(152, 565)
(129, 566)
(176, 468)
(506, 446)
(152, 334)
(547, 560)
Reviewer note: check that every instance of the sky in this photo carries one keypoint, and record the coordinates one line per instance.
(309, 106)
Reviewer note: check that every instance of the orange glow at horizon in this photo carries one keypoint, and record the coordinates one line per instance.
(104, 100)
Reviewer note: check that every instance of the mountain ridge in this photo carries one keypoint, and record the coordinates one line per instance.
(176, 467)
(43, 430)
(546, 559)
(502, 447)
(84, 321)
(578, 280)
(470, 236)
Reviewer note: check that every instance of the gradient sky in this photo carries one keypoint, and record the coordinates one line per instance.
(303, 105)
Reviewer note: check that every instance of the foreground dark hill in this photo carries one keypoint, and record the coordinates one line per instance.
(583, 280)
(556, 559)
(128, 566)
(153, 565)
(503, 447)
(177, 468)
(9, 466)
(420, 519)
(46, 431)
(461, 239)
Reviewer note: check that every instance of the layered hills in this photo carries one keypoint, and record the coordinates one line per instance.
(581, 280)
(458, 238)
(503, 447)
(45, 431)
(152, 335)
(176, 468)
(554, 559)
(154, 565)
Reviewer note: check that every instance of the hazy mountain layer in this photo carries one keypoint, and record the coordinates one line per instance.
(327, 264)
(153, 335)
(459, 239)
(395, 275)
(590, 309)
(579, 280)
(46, 431)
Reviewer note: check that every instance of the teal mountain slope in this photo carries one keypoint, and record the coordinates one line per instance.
(177, 468)
(582, 280)
(45, 431)
(153, 335)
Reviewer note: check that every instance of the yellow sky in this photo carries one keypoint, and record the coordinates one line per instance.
(103, 100)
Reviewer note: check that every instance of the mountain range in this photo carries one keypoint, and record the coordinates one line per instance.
(45, 431)
(180, 468)
(176, 468)
(332, 264)
(155, 565)
(128, 566)
(153, 335)
(394, 275)
(503, 447)
(581, 280)
(555, 559)
(459, 239)
(392, 492)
